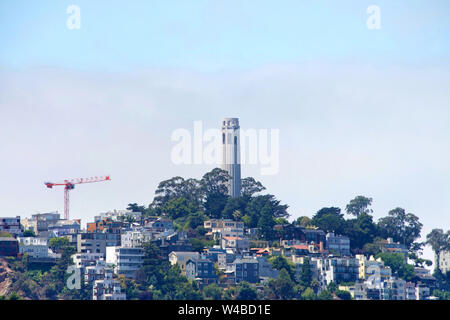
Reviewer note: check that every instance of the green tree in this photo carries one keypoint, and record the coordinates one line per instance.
(303, 221)
(256, 205)
(306, 273)
(396, 261)
(136, 208)
(401, 226)
(325, 295)
(309, 294)
(178, 208)
(212, 292)
(361, 230)
(330, 220)
(58, 244)
(283, 286)
(359, 205)
(343, 295)
(245, 292)
(266, 224)
(29, 233)
(250, 186)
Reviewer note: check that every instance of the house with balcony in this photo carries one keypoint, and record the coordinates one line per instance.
(107, 288)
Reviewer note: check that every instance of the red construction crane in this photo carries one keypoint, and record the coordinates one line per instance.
(70, 184)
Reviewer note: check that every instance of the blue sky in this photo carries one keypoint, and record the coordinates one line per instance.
(217, 35)
(359, 111)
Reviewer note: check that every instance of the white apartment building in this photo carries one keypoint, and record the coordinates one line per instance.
(126, 261)
(135, 238)
(83, 260)
(36, 248)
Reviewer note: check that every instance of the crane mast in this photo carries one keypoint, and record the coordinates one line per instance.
(69, 184)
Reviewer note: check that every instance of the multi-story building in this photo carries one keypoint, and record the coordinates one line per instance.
(11, 225)
(182, 257)
(338, 244)
(201, 269)
(120, 215)
(40, 222)
(444, 261)
(107, 288)
(337, 269)
(83, 260)
(35, 247)
(236, 243)
(64, 227)
(224, 228)
(106, 225)
(245, 269)
(225, 259)
(96, 272)
(135, 238)
(389, 245)
(96, 242)
(126, 261)
(422, 292)
(159, 225)
(373, 270)
(394, 289)
(266, 269)
(410, 291)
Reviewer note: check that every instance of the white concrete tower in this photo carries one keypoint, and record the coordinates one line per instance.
(231, 161)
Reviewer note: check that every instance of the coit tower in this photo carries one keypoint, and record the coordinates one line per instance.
(231, 161)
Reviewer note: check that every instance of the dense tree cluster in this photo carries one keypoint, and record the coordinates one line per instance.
(189, 202)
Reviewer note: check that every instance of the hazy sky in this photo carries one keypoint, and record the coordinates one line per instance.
(359, 111)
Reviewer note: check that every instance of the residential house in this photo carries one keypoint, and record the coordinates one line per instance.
(224, 228)
(372, 270)
(265, 268)
(245, 269)
(181, 258)
(107, 288)
(236, 243)
(201, 270)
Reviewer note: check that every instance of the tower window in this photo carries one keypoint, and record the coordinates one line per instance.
(223, 138)
(235, 140)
